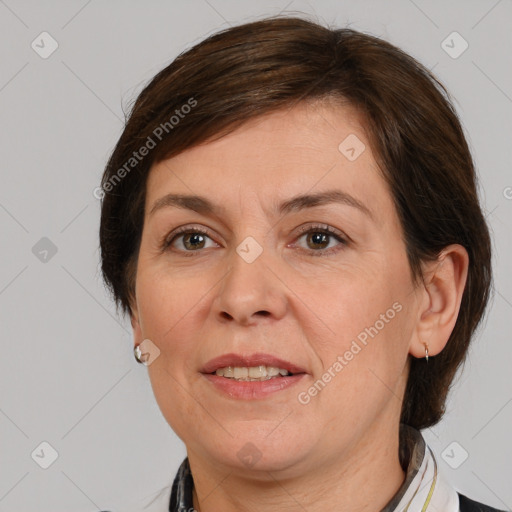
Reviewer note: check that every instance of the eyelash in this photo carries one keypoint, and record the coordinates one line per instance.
(319, 228)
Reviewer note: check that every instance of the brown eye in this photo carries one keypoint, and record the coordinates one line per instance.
(187, 240)
(193, 240)
(322, 240)
(317, 240)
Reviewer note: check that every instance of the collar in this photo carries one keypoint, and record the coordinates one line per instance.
(424, 488)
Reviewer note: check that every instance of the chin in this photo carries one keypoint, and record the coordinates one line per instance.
(259, 453)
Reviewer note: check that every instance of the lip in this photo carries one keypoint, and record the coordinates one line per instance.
(252, 390)
(258, 359)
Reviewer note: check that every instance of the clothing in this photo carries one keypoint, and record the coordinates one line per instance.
(468, 505)
(424, 487)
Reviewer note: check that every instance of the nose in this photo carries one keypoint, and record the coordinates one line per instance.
(251, 290)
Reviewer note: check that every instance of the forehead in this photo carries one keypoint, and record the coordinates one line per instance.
(309, 147)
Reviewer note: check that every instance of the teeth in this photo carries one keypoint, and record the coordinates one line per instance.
(251, 373)
(240, 373)
(255, 372)
(228, 372)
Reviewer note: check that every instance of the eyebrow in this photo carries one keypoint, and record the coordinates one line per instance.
(204, 206)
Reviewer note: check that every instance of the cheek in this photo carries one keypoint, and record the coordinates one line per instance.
(169, 309)
(351, 301)
(364, 318)
(360, 370)
(166, 297)
(179, 407)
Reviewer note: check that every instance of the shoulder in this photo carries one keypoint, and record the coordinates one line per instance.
(469, 505)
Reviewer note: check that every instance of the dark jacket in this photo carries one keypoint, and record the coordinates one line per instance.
(468, 505)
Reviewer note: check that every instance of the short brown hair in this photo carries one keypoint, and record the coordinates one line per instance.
(414, 131)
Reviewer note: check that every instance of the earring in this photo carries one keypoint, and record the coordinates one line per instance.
(146, 352)
(139, 357)
(426, 351)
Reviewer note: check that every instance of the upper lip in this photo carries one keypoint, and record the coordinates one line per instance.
(258, 359)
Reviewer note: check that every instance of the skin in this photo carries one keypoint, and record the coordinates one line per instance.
(290, 302)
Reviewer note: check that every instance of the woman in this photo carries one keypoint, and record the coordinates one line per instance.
(291, 221)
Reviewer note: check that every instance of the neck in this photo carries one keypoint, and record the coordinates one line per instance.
(362, 480)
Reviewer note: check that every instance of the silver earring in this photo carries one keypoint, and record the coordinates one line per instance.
(426, 351)
(146, 352)
(139, 357)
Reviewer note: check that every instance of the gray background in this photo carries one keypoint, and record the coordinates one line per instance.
(67, 373)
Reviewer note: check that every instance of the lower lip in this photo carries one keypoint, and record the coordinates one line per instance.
(252, 390)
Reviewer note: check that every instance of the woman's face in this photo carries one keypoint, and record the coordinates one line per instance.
(263, 276)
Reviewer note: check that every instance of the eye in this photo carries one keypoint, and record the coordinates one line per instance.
(321, 237)
(186, 239)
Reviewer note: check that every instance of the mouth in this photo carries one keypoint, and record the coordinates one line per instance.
(252, 373)
(251, 377)
(255, 367)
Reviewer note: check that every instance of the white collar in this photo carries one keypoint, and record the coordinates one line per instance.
(424, 488)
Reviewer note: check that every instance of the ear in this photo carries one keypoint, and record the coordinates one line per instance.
(439, 300)
(134, 319)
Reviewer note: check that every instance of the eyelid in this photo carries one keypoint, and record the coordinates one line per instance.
(342, 238)
(321, 227)
(168, 239)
